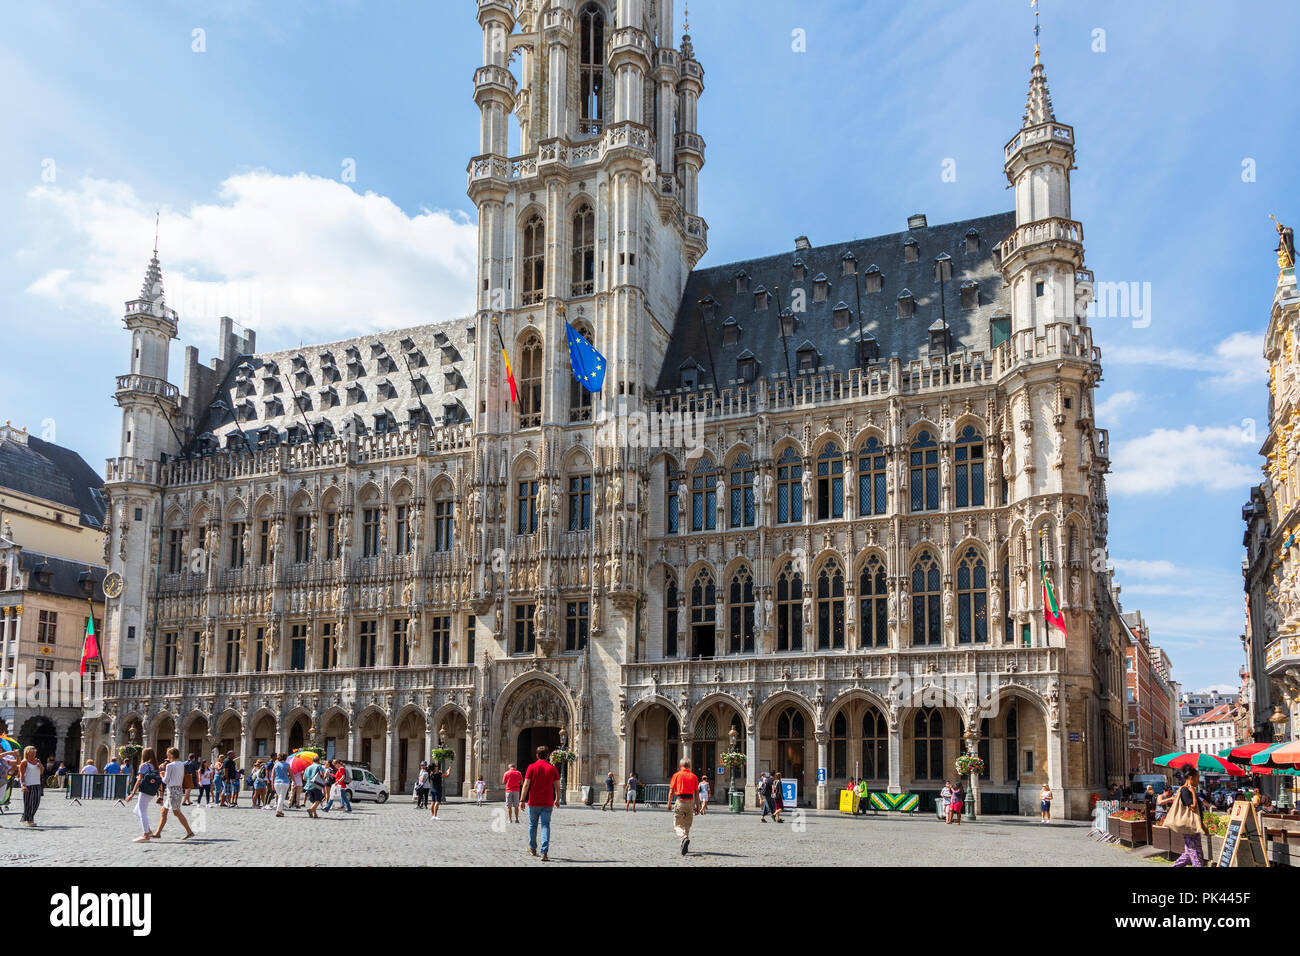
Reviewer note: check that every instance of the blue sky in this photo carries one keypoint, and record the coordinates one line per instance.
(111, 114)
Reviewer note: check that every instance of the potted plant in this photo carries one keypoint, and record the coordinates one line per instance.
(1216, 824)
(560, 756)
(1129, 826)
(441, 755)
(968, 764)
(130, 753)
(732, 758)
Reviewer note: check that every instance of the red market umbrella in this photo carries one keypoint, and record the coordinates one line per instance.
(1242, 753)
(1286, 754)
(1205, 763)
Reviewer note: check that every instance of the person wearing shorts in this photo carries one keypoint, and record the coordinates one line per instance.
(958, 802)
(514, 782)
(173, 793)
(630, 796)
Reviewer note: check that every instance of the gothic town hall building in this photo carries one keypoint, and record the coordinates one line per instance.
(807, 507)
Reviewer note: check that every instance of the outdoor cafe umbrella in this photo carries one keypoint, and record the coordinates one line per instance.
(1242, 753)
(1265, 758)
(1206, 763)
(1285, 754)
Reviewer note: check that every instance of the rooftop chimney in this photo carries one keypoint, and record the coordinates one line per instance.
(916, 221)
(801, 243)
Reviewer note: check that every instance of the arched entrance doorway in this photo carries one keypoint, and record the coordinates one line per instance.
(533, 717)
(164, 734)
(711, 736)
(195, 736)
(411, 741)
(39, 732)
(656, 741)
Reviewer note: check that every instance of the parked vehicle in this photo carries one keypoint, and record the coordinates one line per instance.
(364, 785)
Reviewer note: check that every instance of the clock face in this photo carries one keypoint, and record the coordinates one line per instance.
(113, 585)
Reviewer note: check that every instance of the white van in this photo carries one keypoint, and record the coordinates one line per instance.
(364, 785)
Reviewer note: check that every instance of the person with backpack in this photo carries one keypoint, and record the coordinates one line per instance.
(147, 783)
(191, 777)
(229, 781)
(1185, 818)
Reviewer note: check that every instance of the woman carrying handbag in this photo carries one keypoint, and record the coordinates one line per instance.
(1184, 818)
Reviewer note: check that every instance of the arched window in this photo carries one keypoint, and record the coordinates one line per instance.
(972, 599)
(704, 612)
(526, 502)
(789, 487)
(926, 619)
(741, 599)
(969, 456)
(924, 473)
(579, 397)
(928, 730)
(333, 541)
(875, 746)
(789, 609)
(444, 520)
(579, 501)
(591, 69)
(672, 498)
(670, 614)
(704, 501)
(839, 747)
(830, 606)
(1008, 619)
(534, 260)
(530, 384)
(1013, 743)
(582, 279)
(742, 492)
(789, 726)
(830, 483)
(302, 532)
(871, 478)
(873, 598)
(983, 749)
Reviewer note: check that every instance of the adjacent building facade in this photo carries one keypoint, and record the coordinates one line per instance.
(805, 518)
(1152, 699)
(1212, 730)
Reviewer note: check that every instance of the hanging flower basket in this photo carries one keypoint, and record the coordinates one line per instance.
(560, 756)
(968, 764)
(130, 753)
(732, 758)
(441, 755)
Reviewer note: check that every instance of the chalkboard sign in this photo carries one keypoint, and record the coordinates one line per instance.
(1243, 845)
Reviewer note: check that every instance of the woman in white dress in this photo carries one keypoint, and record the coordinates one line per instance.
(703, 790)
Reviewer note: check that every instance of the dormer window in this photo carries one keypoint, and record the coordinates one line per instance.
(385, 389)
(451, 380)
(384, 422)
(800, 271)
(377, 349)
(407, 344)
(330, 373)
(329, 398)
(416, 358)
(274, 407)
(906, 304)
(848, 264)
(868, 350)
(840, 315)
(326, 358)
(244, 388)
(742, 282)
(760, 299)
(940, 338)
(453, 413)
(246, 411)
(809, 359)
(271, 386)
(299, 363)
(746, 366)
(788, 322)
(303, 401)
(972, 242)
(296, 434)
(356, 394)
(304, 378)
(355, 368)
(386, 364)
(970, 294)
(270, 368)
(873, 279)
(911, 250)
(420, 385)
(450, 356)
(821, 287)
(690, 375)
(730, 331)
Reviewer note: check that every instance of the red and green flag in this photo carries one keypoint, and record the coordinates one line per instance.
(90, 647)
(1051, 610)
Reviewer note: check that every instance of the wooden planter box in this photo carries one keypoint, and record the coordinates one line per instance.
(1166, 840)
(1132, 832)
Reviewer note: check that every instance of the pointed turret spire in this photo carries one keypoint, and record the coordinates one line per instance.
(1038, 104)
(688, 48)
(152, 289)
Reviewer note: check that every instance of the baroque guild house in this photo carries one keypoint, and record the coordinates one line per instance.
(812, 504)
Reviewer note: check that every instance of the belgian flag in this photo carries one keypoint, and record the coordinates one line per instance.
(510, 373)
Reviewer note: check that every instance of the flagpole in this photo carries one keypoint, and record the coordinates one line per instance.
(1042, 581)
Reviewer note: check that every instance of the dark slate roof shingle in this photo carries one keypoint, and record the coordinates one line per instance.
(44, 470)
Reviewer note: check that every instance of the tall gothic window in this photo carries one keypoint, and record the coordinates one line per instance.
(969, 456)
(741, 636)
(525, 637)
(369, 532)
(839, 747)
(670, 615)
(830, 606)
(924, 473)
(444, 524)
(530, 384)
(972, 599)
(873, 598)
(534, 260)
(703, 615)
(789, 488)
(1008, 619)
(871, 478)
(582, 279)
(575, 625)
(789, 609)
(526, 507)
(875, 746)
(672, 493)
(402, 537)
(742, 492)
(302, 538)
(704, 502)
(928, 730)
(830, 483)
(591, 69)
(1013, 744)
(926, 617)
(579, 502)
(579, 397)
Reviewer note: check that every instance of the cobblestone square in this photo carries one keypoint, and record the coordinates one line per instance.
(396, 834)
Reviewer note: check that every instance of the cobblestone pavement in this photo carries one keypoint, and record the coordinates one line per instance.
(98, 833)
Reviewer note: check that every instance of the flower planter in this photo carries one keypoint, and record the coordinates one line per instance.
(1165, 840)
(1132, 832)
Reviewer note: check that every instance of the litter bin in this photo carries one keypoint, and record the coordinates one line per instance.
(737, 800)
(587, 796)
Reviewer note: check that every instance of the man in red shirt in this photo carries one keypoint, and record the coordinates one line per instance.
(541, 793)
(684, 798)
(513, 780)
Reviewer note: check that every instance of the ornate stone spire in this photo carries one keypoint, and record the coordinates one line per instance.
(152, 289)
(688, 48)
(1038, 104)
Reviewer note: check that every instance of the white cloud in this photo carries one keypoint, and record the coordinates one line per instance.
(1236, 362)
(1146, 569)
(1216, 459)
(1113, 407)
(290, 256)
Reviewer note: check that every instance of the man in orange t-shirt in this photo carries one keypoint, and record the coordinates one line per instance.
(684, 797)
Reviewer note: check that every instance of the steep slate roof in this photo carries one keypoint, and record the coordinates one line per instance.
(760, 331)
(43, 470)
(66, 577)
(1218, 715)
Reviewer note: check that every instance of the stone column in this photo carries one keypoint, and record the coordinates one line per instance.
(391, 764)
(895, 758)
(823, 788)
(751, 764)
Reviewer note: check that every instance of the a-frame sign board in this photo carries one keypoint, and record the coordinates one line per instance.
(1244, 844)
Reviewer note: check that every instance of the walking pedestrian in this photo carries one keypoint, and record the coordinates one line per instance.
(205, 784)
(610, 783)
(945, 801)
(435, 789)
(173, 793)
(147, 784)
(541, 793)
(422, 786)
(703, 791)
(958, 803)
(230, 781)
(513, 781)
(341, 785)
(282, 779)
(30, 775)
(313, 795)
(1045, 804)
(684, 797)
(295, 790)
(191, 777)
(480, 790)
(1185, 818)
(630, 796)
(778, 799)
(766, 804)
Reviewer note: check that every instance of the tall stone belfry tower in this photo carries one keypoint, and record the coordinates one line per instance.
(595, 218)
(149, 404)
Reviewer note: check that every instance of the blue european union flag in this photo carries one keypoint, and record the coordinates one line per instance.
(588, 365)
